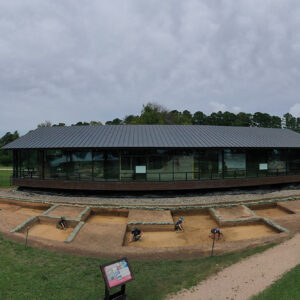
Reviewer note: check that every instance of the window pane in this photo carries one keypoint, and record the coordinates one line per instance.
(210, 164)
(112, 166)
(276, 162)
(80, 167)
(29, 165)
(56, 164)
(160, 168)
(184, 166)
(98, 158)
(234, 163)
(127, 169)
(256, 160)
(293, 161)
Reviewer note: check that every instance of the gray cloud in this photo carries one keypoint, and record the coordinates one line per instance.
(67, 61)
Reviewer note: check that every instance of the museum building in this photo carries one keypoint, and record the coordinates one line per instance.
(155, 157)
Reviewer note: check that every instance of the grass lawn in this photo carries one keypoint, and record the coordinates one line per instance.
(5, 178)
(286, 288)
(30, 273)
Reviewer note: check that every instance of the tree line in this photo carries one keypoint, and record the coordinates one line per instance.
(153, 113)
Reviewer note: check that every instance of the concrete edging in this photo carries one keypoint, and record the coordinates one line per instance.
(22, 225)
(73, 234)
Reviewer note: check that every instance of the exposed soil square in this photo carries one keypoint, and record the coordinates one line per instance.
(106, 219)
(270, 212)
(234, 213)
(49, 231)
(9, 207)
(66, 211)
(100, 236)
(149, 216)
(249, 231)
(21, 210)
(292, 205)
(30, 211)
(196, 232)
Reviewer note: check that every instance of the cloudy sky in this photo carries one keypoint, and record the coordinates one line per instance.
(69, 61)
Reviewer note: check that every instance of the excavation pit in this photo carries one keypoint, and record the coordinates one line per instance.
(22, 208)
(107, 216)
(234, 213)
(271, 211)
(70, 212)
(197, 227)
(49, 231)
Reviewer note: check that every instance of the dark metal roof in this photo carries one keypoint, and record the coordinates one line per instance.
(158, 136)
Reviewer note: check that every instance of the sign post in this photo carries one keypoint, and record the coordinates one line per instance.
(116, 273)
(213, 245)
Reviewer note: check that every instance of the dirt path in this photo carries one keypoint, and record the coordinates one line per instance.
(248, 277)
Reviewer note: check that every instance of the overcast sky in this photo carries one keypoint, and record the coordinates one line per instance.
(69, 61)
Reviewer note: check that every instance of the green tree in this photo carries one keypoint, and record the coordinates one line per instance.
(95, 123)
(243, 119)
(6, 158)
(153, 113)
(45, 124)
(116, 121)
(199, 118)
(262, 120)
(289, 121)
(131, 120)
(59, 125)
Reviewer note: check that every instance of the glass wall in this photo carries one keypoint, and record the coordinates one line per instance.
(98, 165)
(276, 162)
(293, 162)
(56, 164)
(184, 167)
(160, 165)
(257, 162)
(80, 166)
(111, 165)
(209, 164)
(234, 163)
(156, 164)
(29, 163)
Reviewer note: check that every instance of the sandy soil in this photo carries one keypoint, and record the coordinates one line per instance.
(149, 216)
(9, 207)
(270, 212)
(248, 277)
(49, 231)
(196, 232)
(66, 211)
(233, 213)
(21, 210)
(30, 211)
(10, 220)
(292, 205)
(106, 219)
(100, 236)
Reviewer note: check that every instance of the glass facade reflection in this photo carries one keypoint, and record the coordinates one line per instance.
(155, 164)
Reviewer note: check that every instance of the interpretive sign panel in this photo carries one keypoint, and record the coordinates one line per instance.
(140, 169)
(117, 273)
(263, 166)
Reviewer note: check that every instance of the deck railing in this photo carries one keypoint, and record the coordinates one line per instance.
(165, 176)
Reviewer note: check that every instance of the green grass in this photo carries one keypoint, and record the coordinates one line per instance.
(5, 178)
(286, 288)
(30, 273)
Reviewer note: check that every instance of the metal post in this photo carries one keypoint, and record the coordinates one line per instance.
(213, 245)
(27, 229)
